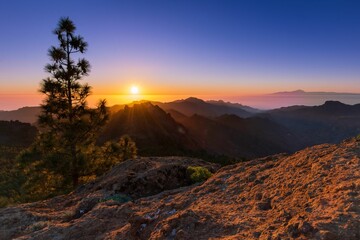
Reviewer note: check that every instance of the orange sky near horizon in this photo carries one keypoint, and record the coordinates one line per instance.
(118, 91)
(107, 84)
(16, 101)
(265, 101)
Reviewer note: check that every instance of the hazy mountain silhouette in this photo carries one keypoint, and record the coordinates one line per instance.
(280, 130)
(158, 132)
(300, 92)
(118, 107)
(191, 106)
(296, 92)
(25, 114)
(215, 126)
(328, 123)
(235, 136)
(234, 105)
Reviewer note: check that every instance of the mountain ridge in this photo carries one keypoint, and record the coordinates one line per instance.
(302, 92)
(24, 114)
(289, 129)
(154, 130)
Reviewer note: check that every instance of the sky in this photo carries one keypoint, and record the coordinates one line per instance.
(176, 48)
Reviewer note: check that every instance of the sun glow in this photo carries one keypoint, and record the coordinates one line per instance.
(134, 90)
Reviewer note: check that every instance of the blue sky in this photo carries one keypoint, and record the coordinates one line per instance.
(190, 47)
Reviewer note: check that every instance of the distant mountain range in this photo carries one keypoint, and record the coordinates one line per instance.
(191, 106)
(154, 131)
(158, 132)
(328, 123)
(25, 114)
(220, 131)
(221, 128)
(234, 136)
(302, 92)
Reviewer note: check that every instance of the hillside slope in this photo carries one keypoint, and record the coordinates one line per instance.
(15, 133)
(312, 194)
(161, 133)
(234, 136)
(25, 114)
(154, 131)
(191, 106)
(331, 122)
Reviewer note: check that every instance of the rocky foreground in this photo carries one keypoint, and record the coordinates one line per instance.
(312, 194)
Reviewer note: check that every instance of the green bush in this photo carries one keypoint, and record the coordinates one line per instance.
(198, 174)
(357, 138)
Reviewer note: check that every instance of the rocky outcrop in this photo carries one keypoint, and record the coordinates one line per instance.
(312, 194)
(126, 182)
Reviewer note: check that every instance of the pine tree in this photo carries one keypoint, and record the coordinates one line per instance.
(68, 125)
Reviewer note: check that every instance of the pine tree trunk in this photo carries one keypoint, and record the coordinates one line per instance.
(75, 167)
(75, 179)
(75, 170)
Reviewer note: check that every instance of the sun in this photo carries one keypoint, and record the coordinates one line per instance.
(134, 90)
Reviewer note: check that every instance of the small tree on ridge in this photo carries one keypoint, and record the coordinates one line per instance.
(68, 125)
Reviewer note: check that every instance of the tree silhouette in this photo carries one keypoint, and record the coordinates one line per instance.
(68, 125)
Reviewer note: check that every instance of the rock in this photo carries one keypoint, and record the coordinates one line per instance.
(181, 234)
(258, 196)
(256, 234)
(305, 228)
(171, 212)
(264, 205)
(326, 235)
(293, 230)
(138, 224)
(85, 206)
(173, 233)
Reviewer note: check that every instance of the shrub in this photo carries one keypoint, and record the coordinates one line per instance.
(116, 152)
(357, 138)
(198, 174)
